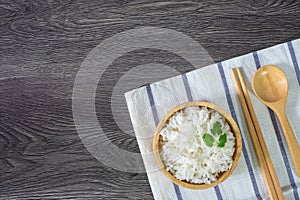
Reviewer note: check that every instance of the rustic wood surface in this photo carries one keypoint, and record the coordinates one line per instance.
(42, 45)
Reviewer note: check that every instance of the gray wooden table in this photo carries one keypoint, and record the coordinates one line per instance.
(42, 46)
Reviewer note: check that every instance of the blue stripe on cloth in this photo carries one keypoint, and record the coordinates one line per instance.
(190, 98)
(256, 60)
(294, 59)
(177, 190)
(152, 104)
(218, 193)
(280, 142)
(156, 120)
(245, 153)
(187, 87)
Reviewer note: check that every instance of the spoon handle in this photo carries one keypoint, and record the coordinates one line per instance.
(291, 141)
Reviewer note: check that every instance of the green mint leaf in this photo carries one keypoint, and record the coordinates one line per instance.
(216, 130)
(222, 140)
(208, 140)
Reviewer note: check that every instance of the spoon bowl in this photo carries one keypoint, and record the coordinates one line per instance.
(270, 85)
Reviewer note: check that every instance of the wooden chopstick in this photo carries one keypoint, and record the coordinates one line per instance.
(260, 136)
(259, 144)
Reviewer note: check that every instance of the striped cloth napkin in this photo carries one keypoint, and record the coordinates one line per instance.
(147, 105)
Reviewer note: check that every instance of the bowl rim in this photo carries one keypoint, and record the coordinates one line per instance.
(234, 129)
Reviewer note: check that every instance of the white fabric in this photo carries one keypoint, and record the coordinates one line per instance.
(206, 84)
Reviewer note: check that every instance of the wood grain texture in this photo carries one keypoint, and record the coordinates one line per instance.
(42, 45)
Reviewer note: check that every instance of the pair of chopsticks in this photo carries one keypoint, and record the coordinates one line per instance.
(258, 141)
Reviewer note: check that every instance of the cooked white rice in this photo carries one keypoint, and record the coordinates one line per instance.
(184, 152)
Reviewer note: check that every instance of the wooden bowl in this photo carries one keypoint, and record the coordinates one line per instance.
(222, 175)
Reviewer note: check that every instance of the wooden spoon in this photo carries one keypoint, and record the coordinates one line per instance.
(270, 85)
